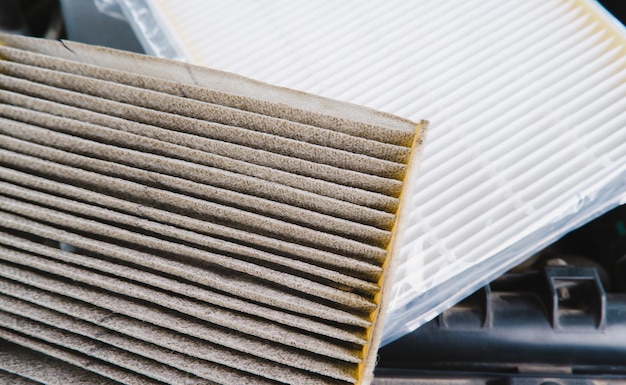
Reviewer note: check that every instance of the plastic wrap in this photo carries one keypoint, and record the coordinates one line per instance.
(527, 103)
(148, 28)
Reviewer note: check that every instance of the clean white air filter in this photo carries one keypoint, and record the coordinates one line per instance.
(527, 103)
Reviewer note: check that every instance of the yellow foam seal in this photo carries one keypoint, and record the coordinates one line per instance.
(374, 332)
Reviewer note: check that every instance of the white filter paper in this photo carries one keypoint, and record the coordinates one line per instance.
(527, 103)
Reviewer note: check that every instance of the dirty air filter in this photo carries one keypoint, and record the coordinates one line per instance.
(161, 222)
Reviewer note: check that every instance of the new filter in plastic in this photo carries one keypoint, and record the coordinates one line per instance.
(526, 99)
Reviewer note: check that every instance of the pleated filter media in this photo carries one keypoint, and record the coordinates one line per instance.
(166, 223)
(526, 99)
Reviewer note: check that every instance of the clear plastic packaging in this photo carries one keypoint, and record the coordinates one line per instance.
(148, 28)
(527, 103)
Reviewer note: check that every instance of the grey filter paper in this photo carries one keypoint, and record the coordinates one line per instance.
(166, 223)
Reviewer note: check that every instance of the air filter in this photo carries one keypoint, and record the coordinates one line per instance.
(165, 223)
(527, 101)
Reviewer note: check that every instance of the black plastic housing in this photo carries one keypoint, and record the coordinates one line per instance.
(559, 320)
